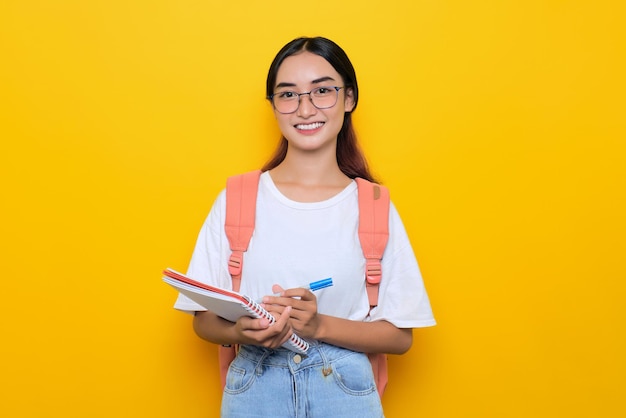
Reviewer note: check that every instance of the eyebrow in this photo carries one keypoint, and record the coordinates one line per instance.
(316, 81)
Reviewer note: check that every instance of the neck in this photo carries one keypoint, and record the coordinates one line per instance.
(309, 178)
(312, 167)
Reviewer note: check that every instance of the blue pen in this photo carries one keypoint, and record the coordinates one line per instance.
(313, 286)
(320, 284)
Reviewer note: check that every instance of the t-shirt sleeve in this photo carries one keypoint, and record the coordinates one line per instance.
(402, 299)
(208, 263)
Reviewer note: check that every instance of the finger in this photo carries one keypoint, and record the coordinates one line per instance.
(275, 310)
(277, 289)
(286, 329)
(276, 301)
(298, 292)
(296, 297)
(253, 324)
(284, 317)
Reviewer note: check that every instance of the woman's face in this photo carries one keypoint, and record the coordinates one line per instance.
(310, 128)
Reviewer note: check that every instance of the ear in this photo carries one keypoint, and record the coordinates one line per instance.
(349, 100)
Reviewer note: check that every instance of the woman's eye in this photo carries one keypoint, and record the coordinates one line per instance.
(323, 91)
(285, 95)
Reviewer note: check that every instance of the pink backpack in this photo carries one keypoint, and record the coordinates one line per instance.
(241, 193)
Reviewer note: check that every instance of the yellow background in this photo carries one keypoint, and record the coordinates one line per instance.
(498, 125)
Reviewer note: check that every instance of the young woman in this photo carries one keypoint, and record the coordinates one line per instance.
(306, 230)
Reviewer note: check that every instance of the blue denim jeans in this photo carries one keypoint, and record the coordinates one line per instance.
(328, 382)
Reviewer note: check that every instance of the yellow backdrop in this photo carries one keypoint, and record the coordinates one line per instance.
(498, 125)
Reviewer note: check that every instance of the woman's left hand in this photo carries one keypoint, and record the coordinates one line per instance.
(303, 317)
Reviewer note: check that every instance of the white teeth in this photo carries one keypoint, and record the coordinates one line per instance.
(309, 126)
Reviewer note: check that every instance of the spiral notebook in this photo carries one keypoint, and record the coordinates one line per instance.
(227, 304)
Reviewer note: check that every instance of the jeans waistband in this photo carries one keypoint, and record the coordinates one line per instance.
(318, 353)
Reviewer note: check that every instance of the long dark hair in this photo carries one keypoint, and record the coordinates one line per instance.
(350, 158)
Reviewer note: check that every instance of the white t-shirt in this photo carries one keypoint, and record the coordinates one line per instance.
(296, 243)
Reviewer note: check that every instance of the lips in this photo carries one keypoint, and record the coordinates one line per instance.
(309, 126)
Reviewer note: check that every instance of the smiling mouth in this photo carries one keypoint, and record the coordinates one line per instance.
(309, 126)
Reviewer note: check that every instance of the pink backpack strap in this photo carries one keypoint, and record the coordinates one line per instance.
(373, 232)
(241, 192)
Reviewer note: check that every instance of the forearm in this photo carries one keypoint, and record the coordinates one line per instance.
(212, 328)
(369, 337)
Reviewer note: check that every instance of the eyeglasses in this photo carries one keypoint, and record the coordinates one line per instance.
(321, 98)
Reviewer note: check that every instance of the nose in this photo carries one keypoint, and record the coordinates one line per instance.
(306, 106)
